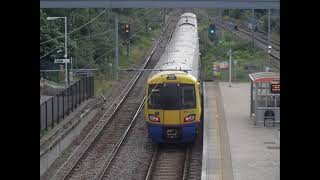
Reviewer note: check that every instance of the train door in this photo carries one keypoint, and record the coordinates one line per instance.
(170, 96)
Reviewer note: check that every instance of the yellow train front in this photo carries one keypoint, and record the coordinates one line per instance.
(172, 109)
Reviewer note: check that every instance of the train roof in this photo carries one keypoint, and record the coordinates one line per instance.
(181, 77)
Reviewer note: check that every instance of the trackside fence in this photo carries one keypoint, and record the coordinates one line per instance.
(55, 109)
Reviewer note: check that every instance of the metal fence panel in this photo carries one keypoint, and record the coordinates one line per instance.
(79, 93)
(65, 105)
(55, 109)
(92, 87)
(60, 107)
(49, 112)
(87, 87)
(43, 116)
(72, 97)
(68, 100)
(85, 80)
(82, 90)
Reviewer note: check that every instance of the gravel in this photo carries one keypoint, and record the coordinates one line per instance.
(110, 96)
(133, 158)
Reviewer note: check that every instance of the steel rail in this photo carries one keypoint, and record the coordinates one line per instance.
(152, 163)
(186, 164)
(115, 150)
(113, 113)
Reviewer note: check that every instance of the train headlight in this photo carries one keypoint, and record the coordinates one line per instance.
(154, 118)
(189, 118)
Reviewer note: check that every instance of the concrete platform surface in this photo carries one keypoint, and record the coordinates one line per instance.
(216, 158)
(255, 150)
(211, 156)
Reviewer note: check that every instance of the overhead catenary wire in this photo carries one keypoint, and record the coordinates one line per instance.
(77, 27)
(141, 17)
(121, 44)
(49, 52)
(97, 33)
(85, 25)
(90, 36)
(110, 50)
(113, 29)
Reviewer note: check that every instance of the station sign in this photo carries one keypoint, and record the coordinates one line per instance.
(216, 69)
(61, 60)
(275, 88)
(224, 65)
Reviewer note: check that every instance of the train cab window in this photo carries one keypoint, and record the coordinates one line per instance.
(188, 96)
(154, 97)
(170, 96)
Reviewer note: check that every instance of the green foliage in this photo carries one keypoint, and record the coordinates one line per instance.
(274, 23)
(48, 30)
(94, 43)
(242, 51)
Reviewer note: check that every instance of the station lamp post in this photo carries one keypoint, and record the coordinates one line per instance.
(65, 44)
(230, 65)
(269, 52)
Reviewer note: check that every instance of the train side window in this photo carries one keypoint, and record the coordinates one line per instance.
(154, 97)
(188, 96)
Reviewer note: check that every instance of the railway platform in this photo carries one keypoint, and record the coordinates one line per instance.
(233, 147)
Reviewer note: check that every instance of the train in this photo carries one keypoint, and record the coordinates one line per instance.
(173, 104)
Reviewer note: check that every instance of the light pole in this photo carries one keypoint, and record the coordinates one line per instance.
(230, 64)
(65, 44)
(269, 52)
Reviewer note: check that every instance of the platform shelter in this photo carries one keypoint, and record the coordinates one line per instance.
(265, 97)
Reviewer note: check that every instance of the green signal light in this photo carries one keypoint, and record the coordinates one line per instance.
(212, 31)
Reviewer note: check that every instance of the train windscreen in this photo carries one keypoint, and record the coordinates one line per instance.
(169, 96)
(172, 96)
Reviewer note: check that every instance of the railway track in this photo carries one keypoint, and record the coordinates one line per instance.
(176, 161)
(97, 150)
(115, 150)
(264, 34)
(261, 38)
(169, 162)
(275, 52)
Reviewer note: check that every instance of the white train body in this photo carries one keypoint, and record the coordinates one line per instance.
(182, 51)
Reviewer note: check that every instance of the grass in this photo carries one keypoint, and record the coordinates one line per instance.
(101, 86)
(242, 52)
(142, 42)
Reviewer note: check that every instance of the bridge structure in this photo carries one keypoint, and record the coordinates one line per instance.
(239, 4)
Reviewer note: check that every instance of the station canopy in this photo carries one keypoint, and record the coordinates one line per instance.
(264, 77)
